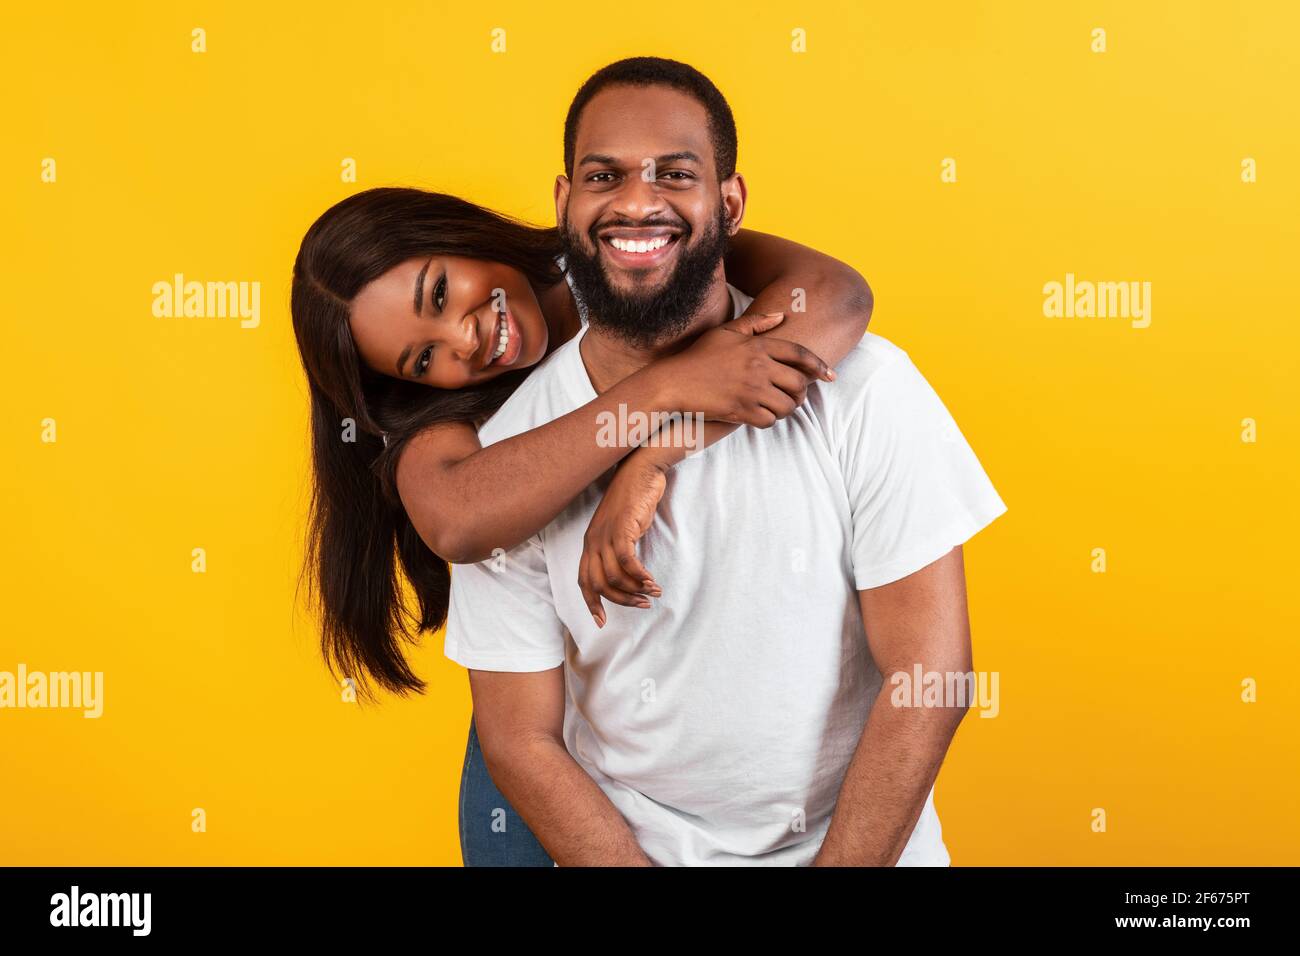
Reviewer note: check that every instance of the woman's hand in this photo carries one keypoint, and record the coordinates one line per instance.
(732, 373)
(609, 567)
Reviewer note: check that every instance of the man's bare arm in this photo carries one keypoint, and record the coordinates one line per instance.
(919, 619)
(520, 723)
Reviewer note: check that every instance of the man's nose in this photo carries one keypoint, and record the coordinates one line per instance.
(638, 199)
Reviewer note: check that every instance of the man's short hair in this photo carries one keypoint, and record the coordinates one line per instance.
(656, 71)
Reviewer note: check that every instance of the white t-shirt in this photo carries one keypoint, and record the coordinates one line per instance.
(721, 721)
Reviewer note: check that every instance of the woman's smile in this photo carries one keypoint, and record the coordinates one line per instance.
(508, 341)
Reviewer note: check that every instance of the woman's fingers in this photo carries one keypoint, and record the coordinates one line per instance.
(791, 381)
(602, 576)
(778, 402)
(796, 356)
(597, 571)
(786, 390)
(625, 553)
(756, 324)
(757, 415)
(618, 586)
(590, 593)
(616, 575)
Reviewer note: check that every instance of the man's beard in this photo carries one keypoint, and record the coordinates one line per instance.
(652, 316)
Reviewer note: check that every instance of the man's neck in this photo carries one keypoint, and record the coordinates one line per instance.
(609, 358)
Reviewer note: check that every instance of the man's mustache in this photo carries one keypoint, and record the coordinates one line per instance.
(622, 222)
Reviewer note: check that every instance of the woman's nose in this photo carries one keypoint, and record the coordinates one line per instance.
(462, 338)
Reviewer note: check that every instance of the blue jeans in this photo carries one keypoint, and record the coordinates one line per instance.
(491, 832)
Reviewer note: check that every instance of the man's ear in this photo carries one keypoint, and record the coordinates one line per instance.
(561, 198)
(734, 196)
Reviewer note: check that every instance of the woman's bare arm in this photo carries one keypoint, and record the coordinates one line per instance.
(838, 304)
(783, 276)
(837, 309)
(466, 501)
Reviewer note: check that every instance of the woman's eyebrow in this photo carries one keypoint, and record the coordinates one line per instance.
(419, 286)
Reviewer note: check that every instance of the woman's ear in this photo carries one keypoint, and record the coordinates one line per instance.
(734, 196)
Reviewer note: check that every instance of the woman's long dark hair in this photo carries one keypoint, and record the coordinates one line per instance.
(358, 529)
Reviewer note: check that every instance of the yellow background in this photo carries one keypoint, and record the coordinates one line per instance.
(1119, 691)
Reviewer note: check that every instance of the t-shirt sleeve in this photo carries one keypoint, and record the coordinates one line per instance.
(916, 489)
(502, 615)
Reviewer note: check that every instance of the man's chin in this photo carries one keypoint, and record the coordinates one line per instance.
(643, 285)
(638, 280)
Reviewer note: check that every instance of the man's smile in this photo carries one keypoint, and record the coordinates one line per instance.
(639, 248)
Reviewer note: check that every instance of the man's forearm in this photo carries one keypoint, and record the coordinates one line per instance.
(889, 777)
(562, 805)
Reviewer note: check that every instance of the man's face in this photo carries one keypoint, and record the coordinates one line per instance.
(645, 221)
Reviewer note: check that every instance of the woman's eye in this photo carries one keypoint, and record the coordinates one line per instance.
(422, 363)
(440, 292)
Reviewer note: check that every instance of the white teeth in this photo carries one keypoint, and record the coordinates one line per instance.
(640, 245)
(504, 330)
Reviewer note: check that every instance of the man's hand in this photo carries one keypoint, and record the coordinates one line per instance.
(520, 722)
(920, 619)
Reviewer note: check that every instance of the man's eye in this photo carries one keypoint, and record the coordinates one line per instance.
(440, 292)
(600, 178)
(422, 363)
(677, 174)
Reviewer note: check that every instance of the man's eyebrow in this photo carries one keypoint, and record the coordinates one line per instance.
(603, 159)
(599, 159)
(419, 287)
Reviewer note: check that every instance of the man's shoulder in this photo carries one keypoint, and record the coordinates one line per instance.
(544, 395)
(864, 364)
(875, 373)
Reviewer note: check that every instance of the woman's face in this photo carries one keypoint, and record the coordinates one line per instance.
(448, 322)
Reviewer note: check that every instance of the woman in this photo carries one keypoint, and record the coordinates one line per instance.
(416, 314)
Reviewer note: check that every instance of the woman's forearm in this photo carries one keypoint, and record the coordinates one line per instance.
(827, 304)
(838, 304)
(466, 503)
(673, 443)
(827, 307)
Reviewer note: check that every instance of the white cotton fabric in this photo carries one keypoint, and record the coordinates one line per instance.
(721, 722)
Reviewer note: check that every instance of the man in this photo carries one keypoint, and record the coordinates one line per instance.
(738, 721)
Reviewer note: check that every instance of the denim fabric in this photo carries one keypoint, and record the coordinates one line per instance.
(491, 832)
